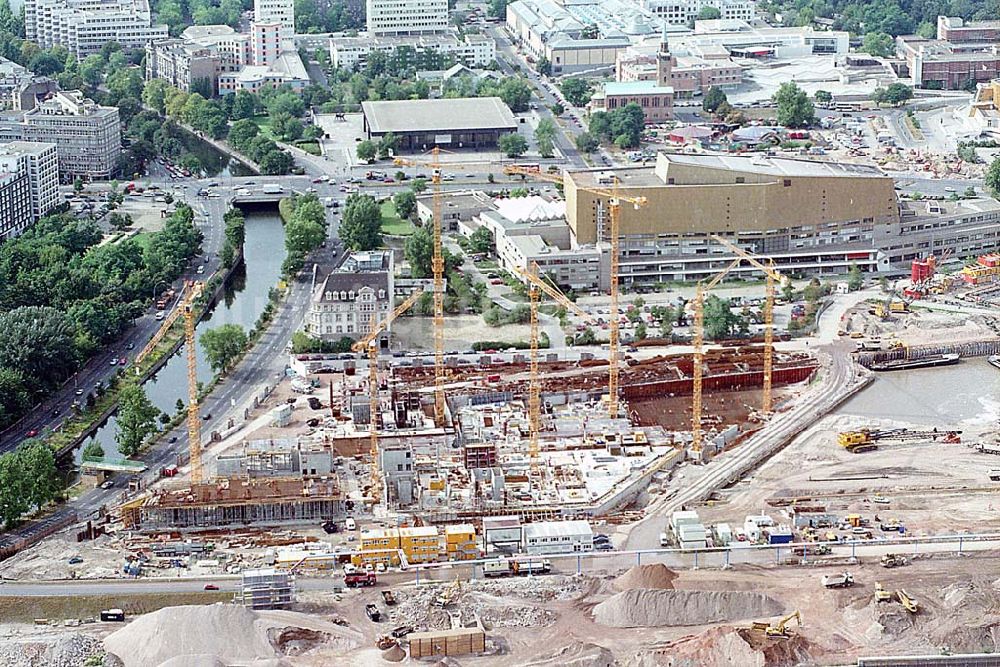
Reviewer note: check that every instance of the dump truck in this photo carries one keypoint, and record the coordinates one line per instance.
(372, 612)
(812, 550)
(354, 579)
(388, 597)
(842, 580)
(894, 560)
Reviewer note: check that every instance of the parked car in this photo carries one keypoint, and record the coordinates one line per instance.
(211, 587)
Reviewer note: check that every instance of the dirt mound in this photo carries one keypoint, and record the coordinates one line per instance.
(577, 654)
(394, 654)
(656, 575)
(727, 645)
(648, 608)
(226, 632)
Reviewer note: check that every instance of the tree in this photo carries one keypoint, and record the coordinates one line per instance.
(544, 67)
(387, 145)
(418, 185)
(714, 98)
(557, 109)
(245, 105)
(546, 148)
(46, 63)
(481, 241)
(223, 345)
(823, 97)
(515, 93)
(136, 419)
(586, 143)
(794, 107)
(362, 220)
(405, 203)
(708, 13)
(276, 162)
(879, 44)
(720, 320)
(855, 279)
(39, 464)
(640, 331)
(93, 448)
(513, 145)
(419, 251)
(241, 132)
(992, 178)
(894, 94)
(77, 185)
(366, 150)
(576, 90)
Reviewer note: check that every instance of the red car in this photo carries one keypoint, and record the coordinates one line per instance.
(211, 587)
(32, 433)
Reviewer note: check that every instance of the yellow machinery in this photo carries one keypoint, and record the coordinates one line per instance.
(369, 343)
(185, 308)
(866, 440)
(615, 199)
(536, 284)
(908, 602)
(437, 266)
(778, 630)
(773, 278)
(882, 595)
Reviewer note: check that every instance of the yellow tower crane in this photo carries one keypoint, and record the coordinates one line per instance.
(773, 278)
(537, 284)
(185, 309)
(437, 266)
(370, 343)
(699, 354)
(615, 199)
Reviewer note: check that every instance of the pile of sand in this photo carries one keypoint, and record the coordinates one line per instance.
(656, 575)
(577, 654)
(222, 633)
(642, 607)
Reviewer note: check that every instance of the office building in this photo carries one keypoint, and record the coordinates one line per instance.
(345, 303)
(84, 26)
(963, 55)
(87, 135)
(684, 12)
(809, 217)
(43, 173)
(217, 60)
(423, 52)
(15, 195)
(466, 122)
(280, 12)
(406, 17)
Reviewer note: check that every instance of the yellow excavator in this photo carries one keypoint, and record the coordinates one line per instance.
(882, 595)
(779, 629)
(908, 602)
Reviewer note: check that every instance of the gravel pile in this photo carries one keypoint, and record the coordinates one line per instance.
(642, 607)
(70, 650)
(655, 575)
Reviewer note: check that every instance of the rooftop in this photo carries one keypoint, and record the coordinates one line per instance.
(530, 209)
(775, 166)
(442, 115)
(557, 529)
(636, 88)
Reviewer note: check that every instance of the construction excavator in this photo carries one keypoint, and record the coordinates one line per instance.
(882, 595)
(907, 601)
(866, 440)
(778, 629)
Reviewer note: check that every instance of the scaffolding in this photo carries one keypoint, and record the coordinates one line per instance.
(266, 589)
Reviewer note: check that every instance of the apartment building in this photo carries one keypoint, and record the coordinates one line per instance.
(84, 26)
(87, 135)
(557, 537)
(218, 60)
(420, 544)
(472, 50)
(406, 17)
(964, 54)
(344, 303)
(684, 12)
(280, 12)
(29, 184)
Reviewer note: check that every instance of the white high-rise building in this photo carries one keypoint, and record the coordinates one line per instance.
(407, 17)
(682, 12)
(276, 11)
(84, 26)
(29, 184)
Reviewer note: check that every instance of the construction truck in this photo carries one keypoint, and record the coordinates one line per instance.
(812, 550)
(779, 629)
(353, 579)
(907, 601)
(882, 595)
(842, 580)
(894, 560)
(866, 440)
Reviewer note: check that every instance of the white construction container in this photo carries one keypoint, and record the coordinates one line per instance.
(723, 534)
(682, 517)
(281, 415)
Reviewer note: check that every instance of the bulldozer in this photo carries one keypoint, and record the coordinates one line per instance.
(779, 629)
(882, 595)
(894, 560)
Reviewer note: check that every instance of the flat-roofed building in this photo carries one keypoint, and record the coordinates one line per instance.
(814, 217)
(466, 122)
(557, 537)
(406, 17)
(84, 26)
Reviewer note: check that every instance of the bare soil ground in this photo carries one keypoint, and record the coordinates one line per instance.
(460, 332)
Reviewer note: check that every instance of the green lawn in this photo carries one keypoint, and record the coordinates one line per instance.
(392, 224)
(487, 265)
(309, 147)
(143, 239)
(264, 124)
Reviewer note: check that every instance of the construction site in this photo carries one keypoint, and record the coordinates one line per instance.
(758, 501)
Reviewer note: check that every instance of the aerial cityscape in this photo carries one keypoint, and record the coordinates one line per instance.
(476, 333)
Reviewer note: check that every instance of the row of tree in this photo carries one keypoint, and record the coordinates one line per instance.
(623, 126)
(245, 136)
(63, 296)
(28, 481)
(305, 230)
